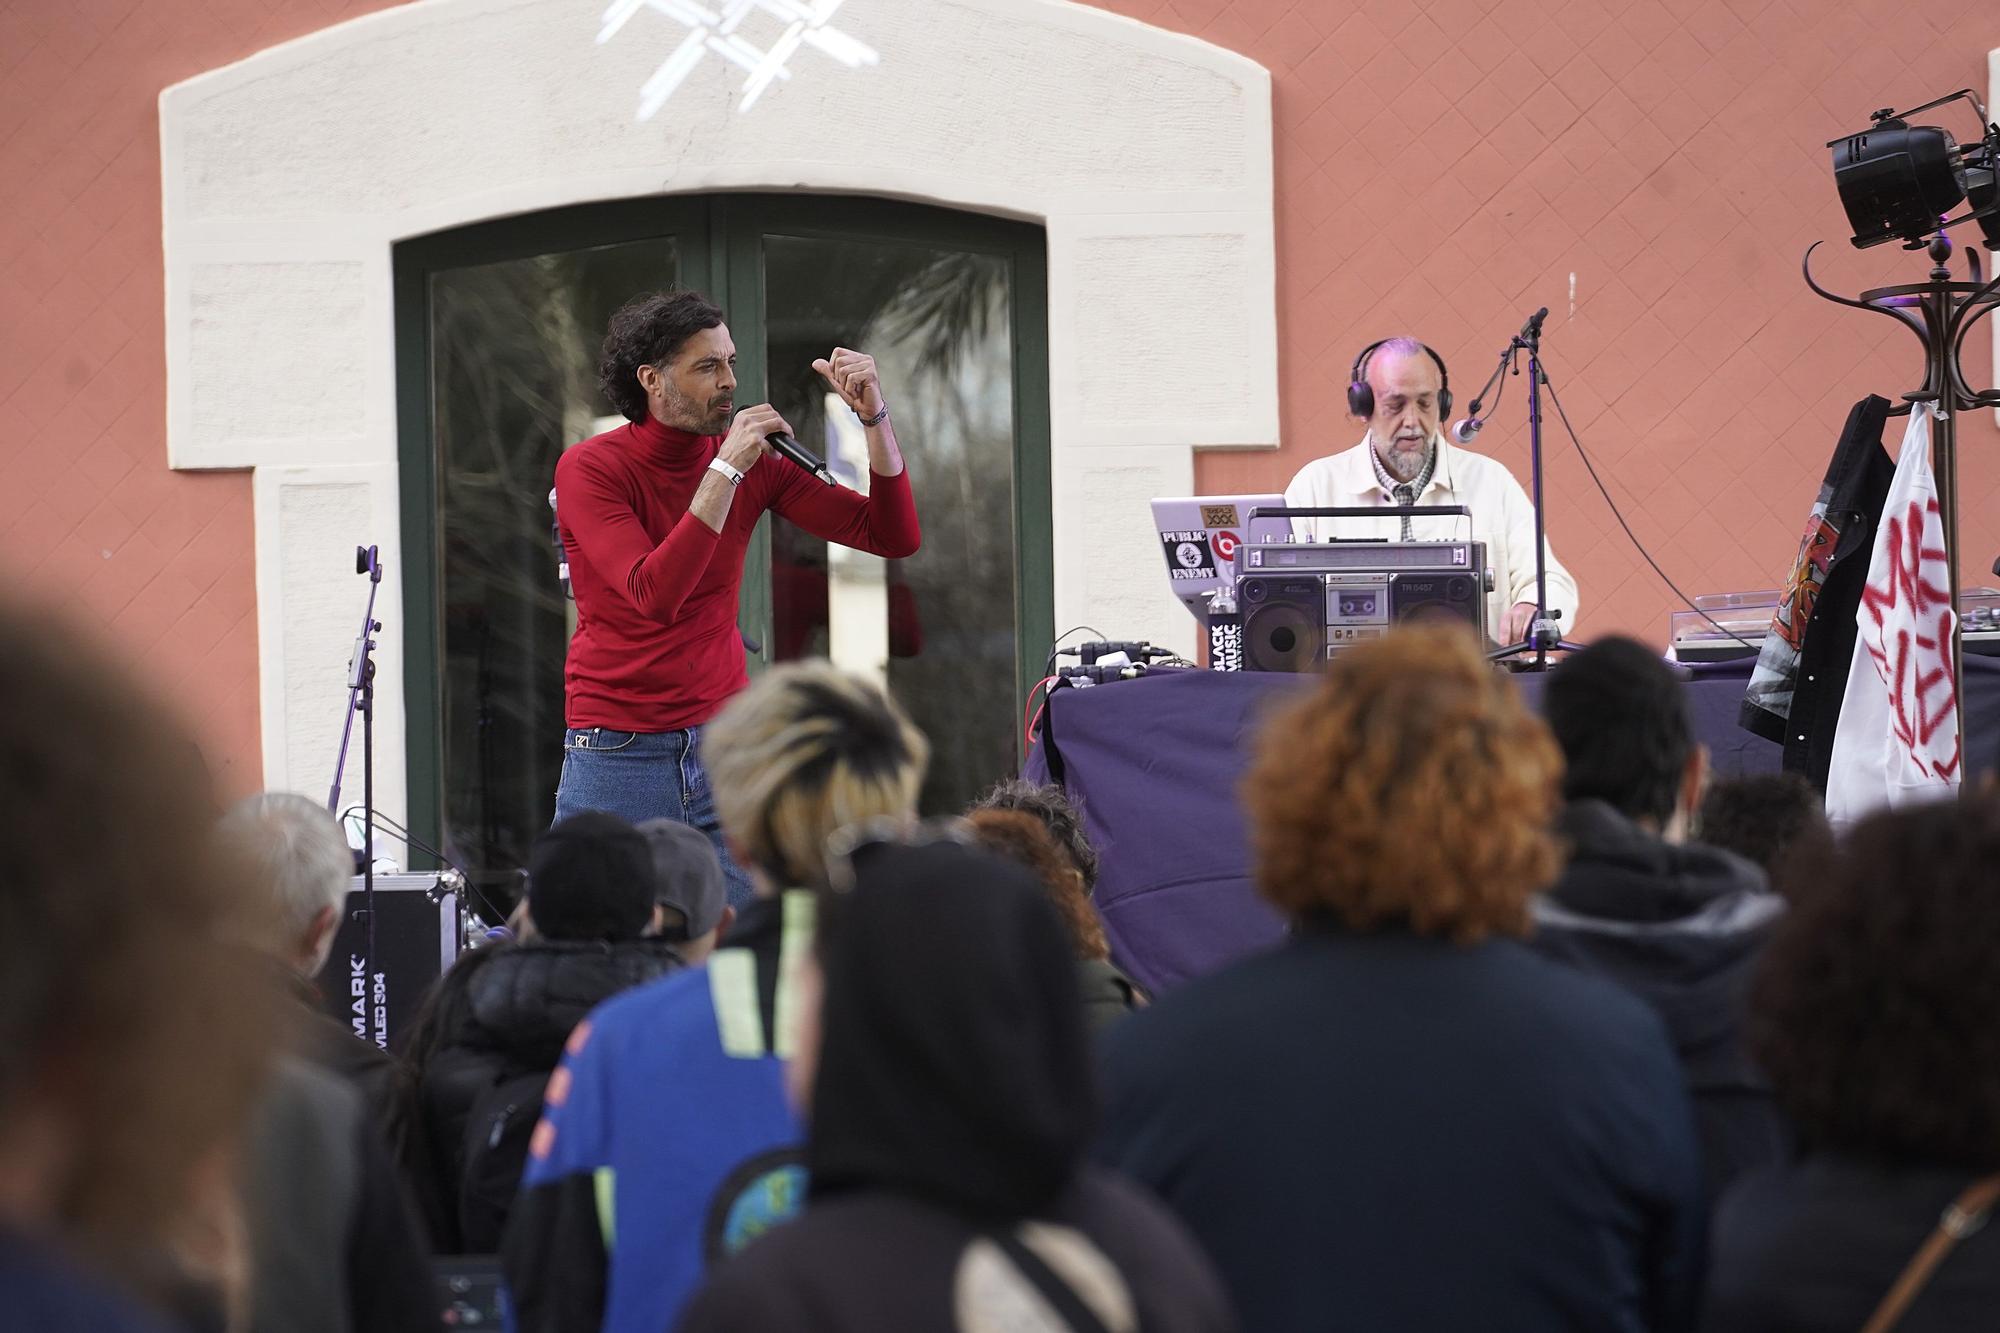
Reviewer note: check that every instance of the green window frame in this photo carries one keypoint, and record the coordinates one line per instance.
(719, 240)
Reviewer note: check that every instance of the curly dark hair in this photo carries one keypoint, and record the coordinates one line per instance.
(1061, 816)
(1621, 717)
(1021, 837)
(1876, 1010)
(1767, 818)
(1410, 786)
(647, 331)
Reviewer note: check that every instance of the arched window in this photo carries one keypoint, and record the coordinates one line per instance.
(498, 328)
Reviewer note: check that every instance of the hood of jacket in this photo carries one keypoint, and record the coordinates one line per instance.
(1679, 924)
(954, 1064)
(525, 1000)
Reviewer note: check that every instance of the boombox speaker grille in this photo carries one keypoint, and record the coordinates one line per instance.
(1284, 623)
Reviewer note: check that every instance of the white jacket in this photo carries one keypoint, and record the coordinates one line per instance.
(1502, 517)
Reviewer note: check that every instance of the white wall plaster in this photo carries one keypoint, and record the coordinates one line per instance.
(252, 326)
(1147, 155)
(310, 602)
(1101, 514)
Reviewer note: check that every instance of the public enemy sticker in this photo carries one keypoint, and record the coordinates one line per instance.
(1188, 554)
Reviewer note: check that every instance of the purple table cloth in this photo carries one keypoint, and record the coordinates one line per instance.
(1157, 763)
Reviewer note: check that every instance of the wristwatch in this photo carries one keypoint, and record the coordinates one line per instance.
(717, 465)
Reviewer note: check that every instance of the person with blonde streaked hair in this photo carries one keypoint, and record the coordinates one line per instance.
(807, 750)
(675, 1090)
(1403, 1117)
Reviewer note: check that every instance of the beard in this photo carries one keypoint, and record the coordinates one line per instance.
(689, 414)
(1404, 459)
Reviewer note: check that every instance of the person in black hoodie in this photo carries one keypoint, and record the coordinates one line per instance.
(946, 1073)
(1677, 923)
(494, 1029)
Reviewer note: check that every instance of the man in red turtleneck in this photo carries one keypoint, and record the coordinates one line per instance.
(655, 519)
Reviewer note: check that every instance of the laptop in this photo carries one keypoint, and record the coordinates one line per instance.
(1200, 535)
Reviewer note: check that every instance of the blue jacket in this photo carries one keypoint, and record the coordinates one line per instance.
(1386, 1131)
(666, 1142)
(43, 1290)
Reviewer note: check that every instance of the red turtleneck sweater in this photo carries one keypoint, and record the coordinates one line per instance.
(656, 645)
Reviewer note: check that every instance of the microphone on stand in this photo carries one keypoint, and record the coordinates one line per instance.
(789, 448)
(1465, 428)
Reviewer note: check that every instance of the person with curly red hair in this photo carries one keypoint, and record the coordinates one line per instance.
(1403, 1117)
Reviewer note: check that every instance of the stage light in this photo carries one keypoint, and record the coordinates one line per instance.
(1899, 181)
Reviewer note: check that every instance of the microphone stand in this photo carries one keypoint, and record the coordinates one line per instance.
(1543, 636)
(361, 699)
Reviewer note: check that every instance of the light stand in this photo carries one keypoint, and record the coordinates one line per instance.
(361, 699)
(1941, 313)
(1543, 636)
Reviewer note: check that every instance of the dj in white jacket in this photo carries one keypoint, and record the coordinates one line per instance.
(1405, 451)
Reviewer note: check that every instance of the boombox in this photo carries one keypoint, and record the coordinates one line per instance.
(1300, 604)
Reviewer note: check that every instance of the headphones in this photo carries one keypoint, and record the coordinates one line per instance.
(1361, 394)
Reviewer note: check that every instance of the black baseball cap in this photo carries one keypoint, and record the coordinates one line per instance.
(590, 877)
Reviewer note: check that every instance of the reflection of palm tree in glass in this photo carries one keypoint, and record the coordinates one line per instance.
(938, 324)
(513, 381)
(946, 311)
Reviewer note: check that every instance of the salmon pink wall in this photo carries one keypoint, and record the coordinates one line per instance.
(91, 519)
(1442, 168)
(1445, 166)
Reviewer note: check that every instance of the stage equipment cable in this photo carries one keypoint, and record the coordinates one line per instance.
(1030, 715)
(1634, 538)
(389, 826)
(1049, 666)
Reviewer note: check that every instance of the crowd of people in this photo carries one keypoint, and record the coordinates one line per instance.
(1562, 1035)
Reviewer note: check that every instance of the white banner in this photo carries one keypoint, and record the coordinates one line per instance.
(1897, 740)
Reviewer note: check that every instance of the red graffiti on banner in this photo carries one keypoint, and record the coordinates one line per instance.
(1910, 644)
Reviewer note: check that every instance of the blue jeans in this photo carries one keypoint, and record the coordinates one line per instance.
(640, 775)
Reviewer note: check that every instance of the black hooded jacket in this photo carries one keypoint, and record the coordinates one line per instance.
(500, 1016)
(1680, 926)
(951, 1111)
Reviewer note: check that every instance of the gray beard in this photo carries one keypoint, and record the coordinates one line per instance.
(1404, 466)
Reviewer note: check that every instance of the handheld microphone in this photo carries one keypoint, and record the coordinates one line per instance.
(789, 448)
(1463, 430)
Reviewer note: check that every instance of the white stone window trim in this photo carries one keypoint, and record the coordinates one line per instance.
(288, 177)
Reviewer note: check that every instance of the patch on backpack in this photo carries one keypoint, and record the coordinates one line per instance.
(766, 1191)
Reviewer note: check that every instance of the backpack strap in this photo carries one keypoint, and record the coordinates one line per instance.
(1962, 1216)
(1077, 1316)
